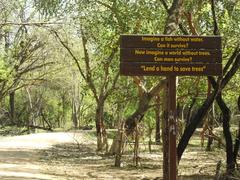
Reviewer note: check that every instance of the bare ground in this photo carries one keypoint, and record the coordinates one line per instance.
(72, 156)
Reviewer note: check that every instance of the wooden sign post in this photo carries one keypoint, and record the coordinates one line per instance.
(172, 128)
(171, 56)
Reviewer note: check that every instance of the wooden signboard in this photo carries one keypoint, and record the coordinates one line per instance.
(181, 55)
(170, 56)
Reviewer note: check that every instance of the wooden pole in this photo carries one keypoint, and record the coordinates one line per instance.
(172, 127)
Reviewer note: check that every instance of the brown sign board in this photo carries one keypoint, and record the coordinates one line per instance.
(170, 55)
(170, 42)
(161, 69)
(159, 55)
(148, 55)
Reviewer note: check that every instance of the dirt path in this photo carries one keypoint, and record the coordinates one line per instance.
(72, 156)
(20, 157)
(62, 156)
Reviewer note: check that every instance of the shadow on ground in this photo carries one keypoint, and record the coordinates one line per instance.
(82, 162)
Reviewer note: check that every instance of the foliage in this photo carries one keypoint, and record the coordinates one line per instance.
(4, 71)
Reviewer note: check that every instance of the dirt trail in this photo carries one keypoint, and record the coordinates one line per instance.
(20, 158)
(72, 156)
(62, 156)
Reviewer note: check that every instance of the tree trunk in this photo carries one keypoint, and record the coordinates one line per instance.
(227, 133)
(12, 107)
(31, 119)
(100, 128)
(182, 122)
(44, 119)
(197, 118)
(150, 139)
(237, 141)
(210, 120)
(189, 113)
(63, 118)
(226, 118)
(210, 132)
(74, 114)
(194, 121)
(118, 144)
(136, 146)
(238, 103)
(119, 124)
(237, 144)
(129, 126)
(158, 121)
(137, 116)
(75, 101)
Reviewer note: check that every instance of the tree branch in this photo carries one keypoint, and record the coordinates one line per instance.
(138, 80)
(181, 26)
(231, 59)
(106, 70)
(88, 69)
(35, 67)
(173, 17)
(215, 24)
(156, 89)
(70, 52)
(190, 23)
(29, 23)
(164, 3)
(235, 67)
(196, 119)
(113, 85)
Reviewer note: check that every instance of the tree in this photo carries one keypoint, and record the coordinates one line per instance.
(105, 43)
(25, 59)
(218, 88)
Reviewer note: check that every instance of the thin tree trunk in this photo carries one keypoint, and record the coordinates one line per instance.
(226, 119)
(31, 120)
(189, 113)
(137, 116)
(227, 133)
(237, 141)
(158, 121)
(44, 119)
(105, 138)
(74, 114)
(210, 129)
(63, 118)
(197, 118)
(118, 145)
(210, 121)
(237, 144)
(150, 139)
(12, 107)
(194, 121)
(182, 121)
(100, 128)
(136, 146)
(75, 103)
